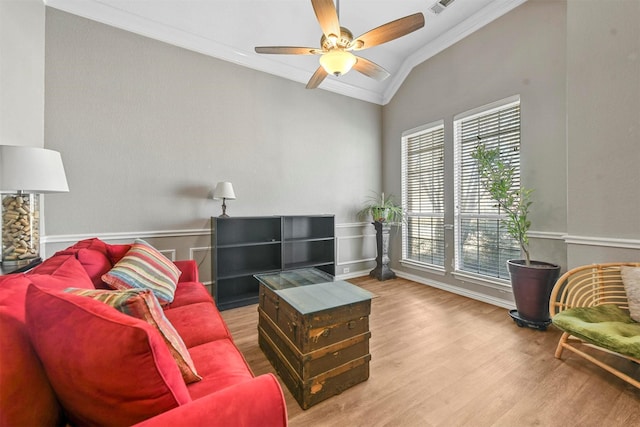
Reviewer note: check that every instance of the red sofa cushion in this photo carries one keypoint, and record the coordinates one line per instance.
(22, 376)
(23, 382)
(60, 272)
(13, 291)
(96, 256)
(142, 304)
(95, 264)
(116, 252)
(221, 365)
(229, 407)
(198, 323)
(189, 293)
(188, 269)
(93, 244)
(65, 272)
(98, 359)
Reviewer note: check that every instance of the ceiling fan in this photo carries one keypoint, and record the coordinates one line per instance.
(337, 43)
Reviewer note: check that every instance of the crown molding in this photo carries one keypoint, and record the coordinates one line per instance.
(109, 15)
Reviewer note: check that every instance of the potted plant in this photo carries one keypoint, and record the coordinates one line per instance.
(531, 281)
(384, 212)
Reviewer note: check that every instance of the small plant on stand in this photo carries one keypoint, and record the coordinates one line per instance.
(384, 212)
(382, 209)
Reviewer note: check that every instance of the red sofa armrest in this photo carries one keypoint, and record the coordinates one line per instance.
(258, 402)
(189, 269)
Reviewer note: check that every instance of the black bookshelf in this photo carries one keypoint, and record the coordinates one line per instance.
(244, 246)
(309, 241)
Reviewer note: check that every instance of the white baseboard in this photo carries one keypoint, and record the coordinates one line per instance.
(459, 291)
(352, 275)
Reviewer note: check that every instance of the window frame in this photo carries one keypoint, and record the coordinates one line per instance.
(428, 131)
(484, 214)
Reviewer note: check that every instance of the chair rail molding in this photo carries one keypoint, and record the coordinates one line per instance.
(610, 242)
(551, 235)
(126, 235)
(354, 245)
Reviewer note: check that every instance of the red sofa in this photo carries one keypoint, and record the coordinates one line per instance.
(68, 359)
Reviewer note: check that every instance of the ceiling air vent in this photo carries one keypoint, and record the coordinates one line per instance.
(440, 5)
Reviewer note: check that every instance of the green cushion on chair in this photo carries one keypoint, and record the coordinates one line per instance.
(606, 326)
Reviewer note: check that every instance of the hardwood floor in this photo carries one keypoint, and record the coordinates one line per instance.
(439, 359)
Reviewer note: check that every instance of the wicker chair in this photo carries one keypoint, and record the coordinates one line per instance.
(589, 286)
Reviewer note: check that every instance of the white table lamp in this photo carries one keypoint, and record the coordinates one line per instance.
(224, 191)
(26, 172)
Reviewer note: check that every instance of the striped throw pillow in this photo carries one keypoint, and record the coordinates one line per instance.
(144, 267)
(142, 304)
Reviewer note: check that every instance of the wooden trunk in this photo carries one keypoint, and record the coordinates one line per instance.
(317, 355)
(309, 389)
(315, 330)
(308, 365)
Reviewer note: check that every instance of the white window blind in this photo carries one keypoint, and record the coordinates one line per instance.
(423, 195)
(482, 244)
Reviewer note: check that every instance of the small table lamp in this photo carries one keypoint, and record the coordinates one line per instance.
(224, 191)
(26, 172)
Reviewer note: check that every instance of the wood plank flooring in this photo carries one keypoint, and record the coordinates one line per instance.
(439, 359)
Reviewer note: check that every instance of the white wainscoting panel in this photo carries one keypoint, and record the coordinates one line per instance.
(355, 249)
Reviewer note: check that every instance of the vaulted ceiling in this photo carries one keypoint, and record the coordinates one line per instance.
(230, 29)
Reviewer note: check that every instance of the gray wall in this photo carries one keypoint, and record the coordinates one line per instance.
(22, 72)
(522, 53)
(146, 130)
(576, 69)
(603, 127)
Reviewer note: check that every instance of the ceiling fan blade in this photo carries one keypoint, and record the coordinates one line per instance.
(327, 17)
(287, 50)
(317, 78)
(370, 69)
(389, 31)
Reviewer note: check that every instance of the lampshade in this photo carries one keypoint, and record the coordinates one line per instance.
(25, 172)
(337, 62)
(31, 170)
(224, 190)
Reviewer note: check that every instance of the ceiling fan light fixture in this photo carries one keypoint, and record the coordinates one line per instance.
(338, 62)
(337, 42)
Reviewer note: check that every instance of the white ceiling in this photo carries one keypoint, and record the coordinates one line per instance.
(230, 29)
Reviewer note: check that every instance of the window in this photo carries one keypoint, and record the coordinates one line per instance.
(423, 195)
(482, 244)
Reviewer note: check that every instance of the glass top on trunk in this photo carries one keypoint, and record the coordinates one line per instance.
(294, 278)
(309, 290)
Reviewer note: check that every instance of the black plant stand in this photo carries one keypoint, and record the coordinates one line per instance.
(522, 322)
(382, 270)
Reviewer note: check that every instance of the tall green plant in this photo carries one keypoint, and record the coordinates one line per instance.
(382, 209)
(497, 176)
